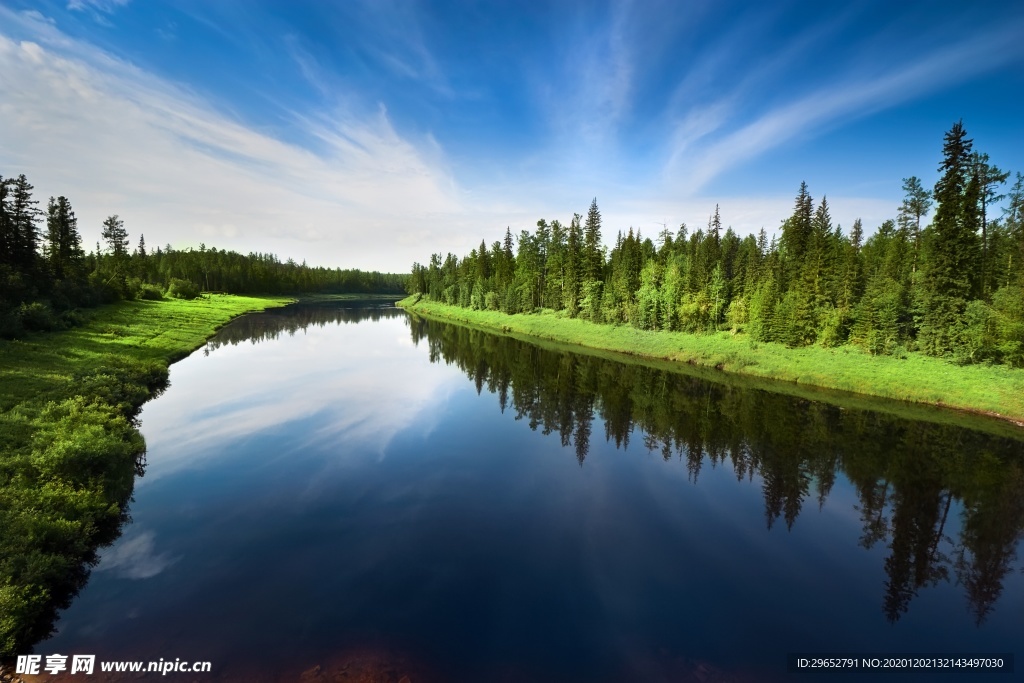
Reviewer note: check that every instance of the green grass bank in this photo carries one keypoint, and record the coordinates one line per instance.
(69, 447)
(993, 391)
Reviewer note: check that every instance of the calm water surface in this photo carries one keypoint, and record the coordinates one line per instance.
(324, 481)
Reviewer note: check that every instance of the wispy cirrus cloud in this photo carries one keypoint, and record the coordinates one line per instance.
(106, 6)
(857, 95)
(99, 10)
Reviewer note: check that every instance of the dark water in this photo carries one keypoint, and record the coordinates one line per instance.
(432, 501)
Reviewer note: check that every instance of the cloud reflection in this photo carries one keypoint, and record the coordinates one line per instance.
(350, 384)
(135, 557)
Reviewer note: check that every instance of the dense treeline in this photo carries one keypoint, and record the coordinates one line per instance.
(45, 272)
(946, 504)
(954, 287)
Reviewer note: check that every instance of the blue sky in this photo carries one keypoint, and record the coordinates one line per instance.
(370, 134)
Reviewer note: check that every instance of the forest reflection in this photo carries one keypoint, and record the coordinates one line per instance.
(946, 502)
(298, 317)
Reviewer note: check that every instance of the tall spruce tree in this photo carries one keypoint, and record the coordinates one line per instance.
(593, 259)
(796, 232)
(952, 258)
(24, 216)
(63, 243)
(574, 265)
(7, 234)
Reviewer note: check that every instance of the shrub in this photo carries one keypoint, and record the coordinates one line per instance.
(182, 289)
(125, 383)
(39, 317)
(150, 293)
(101, 289)
(738, 315)
(80, 444)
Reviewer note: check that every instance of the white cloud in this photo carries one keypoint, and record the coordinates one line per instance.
(116, 139)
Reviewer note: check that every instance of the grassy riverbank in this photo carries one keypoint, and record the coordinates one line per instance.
(991, 390)
(69, 449)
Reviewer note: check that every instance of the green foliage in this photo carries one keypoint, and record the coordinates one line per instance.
(182, 289)
(69, 449)
(929, 288)
(38, 317)
(903, 376)
(150, 292)
(53, 271)
(881, 317)
(835, 325)
(1008, 311)
(83, 442)
(975, 337)
(648, 300)
(738, 315)
(590, 304)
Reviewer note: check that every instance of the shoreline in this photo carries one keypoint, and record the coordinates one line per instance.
(985, 397)
(68, 403)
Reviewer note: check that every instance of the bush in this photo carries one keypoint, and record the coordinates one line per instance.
(39, 317)
(103, 292)
(125, 383)
(80, 444)
(182, 289)
(150, 293)
(738, 315)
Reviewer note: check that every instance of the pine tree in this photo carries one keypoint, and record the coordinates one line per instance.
(593, 259)
(1013, 215)
(574, 266)
(715, 225)
(989, 178)
(23, 216)
(796, 232)
(947, 284)
(857, 235)
(63, 243)
(555, 279)
(916, 203)
(116, 236)
(8, 237)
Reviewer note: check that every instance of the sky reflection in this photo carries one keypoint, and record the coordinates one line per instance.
(351, 386)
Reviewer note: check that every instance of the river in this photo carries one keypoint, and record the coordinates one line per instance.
(346, 492)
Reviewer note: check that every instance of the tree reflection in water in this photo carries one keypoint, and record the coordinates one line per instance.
(909, 475)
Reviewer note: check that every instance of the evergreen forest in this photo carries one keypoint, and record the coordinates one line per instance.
(45, 273)
(949, 287)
